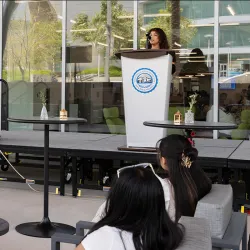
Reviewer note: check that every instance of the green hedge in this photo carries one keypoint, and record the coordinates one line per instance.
(113, 71)
(4, 72)
(41, 72)
(18, 76)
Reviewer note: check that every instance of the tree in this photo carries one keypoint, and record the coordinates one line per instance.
(123, 28)
(34, 44)
(175, 27)
(175, 22)
(46, 43)
(17, 45)
(82, 22)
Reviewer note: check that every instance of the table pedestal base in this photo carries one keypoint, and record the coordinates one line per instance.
(44, 229)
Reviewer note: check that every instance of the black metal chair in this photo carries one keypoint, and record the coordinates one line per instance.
(58, 238)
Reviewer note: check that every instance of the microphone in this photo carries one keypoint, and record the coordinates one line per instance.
(148, 36)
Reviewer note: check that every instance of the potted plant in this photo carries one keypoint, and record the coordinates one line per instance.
(189, 115)
(43, 98)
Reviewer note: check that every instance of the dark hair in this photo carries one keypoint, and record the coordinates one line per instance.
(195, 52)
(136, 204)
(190, 184)
(162, 38)
(223, 95)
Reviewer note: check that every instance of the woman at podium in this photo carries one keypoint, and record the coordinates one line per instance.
(157, 39)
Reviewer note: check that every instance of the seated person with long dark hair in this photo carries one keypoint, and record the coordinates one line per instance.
(135, 216)
(158, 40)
(186, 182)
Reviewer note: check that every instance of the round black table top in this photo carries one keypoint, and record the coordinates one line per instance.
(4, 227)
(50, 120)
(196, 125)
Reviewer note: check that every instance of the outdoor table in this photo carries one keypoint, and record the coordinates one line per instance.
(45, 228)
(189, 127)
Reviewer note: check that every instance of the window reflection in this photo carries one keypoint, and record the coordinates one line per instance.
(234, 66)
(193, 45)
(32, 61)
(94, 87)
(32, 58)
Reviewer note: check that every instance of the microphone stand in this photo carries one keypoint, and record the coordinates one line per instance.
(148, 39)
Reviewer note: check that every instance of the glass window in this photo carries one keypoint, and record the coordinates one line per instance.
(32, 58)
(201, 36)
(94, 77)
(32, 62)
(234, 56)
(237, 34)
(234, 7)
(197, 9)
(193, 44)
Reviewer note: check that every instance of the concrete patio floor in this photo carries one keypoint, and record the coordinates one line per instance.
(19, 204)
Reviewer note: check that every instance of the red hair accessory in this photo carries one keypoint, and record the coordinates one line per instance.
(192, 134)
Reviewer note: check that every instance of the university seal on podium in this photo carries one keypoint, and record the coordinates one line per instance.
(144, 80)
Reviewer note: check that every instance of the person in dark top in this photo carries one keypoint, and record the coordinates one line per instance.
(189, 182)
(243, 96)
(196, 63)
(158, 40)
(183, 181)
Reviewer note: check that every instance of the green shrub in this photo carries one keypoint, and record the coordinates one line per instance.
(244, 126)
(91, 71)
(113, 71)
(41, 72)
(4, 72)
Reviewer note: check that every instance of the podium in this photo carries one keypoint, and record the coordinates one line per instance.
(146, 89)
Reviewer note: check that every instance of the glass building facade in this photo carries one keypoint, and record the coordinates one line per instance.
(66, 50)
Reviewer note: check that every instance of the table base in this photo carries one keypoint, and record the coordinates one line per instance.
(44, 229)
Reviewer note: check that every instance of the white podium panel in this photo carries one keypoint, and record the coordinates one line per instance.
(146, 90)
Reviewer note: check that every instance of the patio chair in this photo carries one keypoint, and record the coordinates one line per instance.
(115, 124)
(228, 229)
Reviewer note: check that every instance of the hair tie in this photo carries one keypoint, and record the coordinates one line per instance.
(186, 161)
